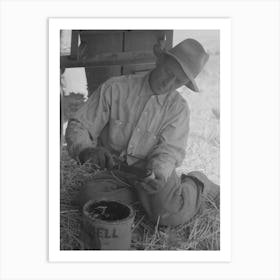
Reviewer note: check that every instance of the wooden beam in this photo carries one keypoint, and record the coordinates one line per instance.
(169, 39)
(75, 44)
(109, 59)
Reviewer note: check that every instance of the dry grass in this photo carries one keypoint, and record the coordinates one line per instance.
(202, 153)
(201, 233)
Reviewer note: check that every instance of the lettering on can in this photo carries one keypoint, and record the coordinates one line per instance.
(105, 233)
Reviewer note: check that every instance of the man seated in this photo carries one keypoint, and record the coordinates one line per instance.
(143, 122)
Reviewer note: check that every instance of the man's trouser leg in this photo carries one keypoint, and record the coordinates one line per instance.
(174, 204)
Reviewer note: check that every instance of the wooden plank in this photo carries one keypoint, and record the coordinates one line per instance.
(107, 59)
(138, 68)
(169, 39)
(140, 40)
(102, 43)
(74, 44)
(98, 75)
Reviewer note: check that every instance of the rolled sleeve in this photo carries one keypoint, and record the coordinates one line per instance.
(77, 138)
(94, 115)
(85, 127)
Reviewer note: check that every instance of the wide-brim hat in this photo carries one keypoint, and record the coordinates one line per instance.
(192, 57)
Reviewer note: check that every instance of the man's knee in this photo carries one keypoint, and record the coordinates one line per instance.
(177, 207)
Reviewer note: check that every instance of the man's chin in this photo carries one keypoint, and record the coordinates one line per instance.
(160, 91)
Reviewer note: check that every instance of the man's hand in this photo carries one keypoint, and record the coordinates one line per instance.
(156, 181)
(99, 156)
(152, 184)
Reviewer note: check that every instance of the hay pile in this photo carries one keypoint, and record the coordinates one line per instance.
(201, 233)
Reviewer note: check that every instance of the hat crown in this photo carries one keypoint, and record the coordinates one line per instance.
(191, 56)
(191, 53)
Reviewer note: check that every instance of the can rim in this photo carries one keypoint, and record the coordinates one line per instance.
(93, 201)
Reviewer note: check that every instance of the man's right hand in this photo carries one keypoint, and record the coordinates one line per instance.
(98, 156)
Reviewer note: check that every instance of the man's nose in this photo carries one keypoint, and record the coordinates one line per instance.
(165, 82)
(169, 81)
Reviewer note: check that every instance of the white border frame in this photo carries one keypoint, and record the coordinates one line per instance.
(55, 254)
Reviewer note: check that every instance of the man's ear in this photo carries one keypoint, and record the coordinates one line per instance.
(159, 48)
(160, 60)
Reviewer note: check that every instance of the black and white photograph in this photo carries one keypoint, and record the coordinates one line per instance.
(140, 140)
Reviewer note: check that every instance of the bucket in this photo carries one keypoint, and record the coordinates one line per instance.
(107, 225)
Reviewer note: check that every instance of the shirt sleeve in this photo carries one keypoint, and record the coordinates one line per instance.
(169, 153)
(85, 127)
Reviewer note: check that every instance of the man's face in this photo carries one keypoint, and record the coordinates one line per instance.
(167, 76)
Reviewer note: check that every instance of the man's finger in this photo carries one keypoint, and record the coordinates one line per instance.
(109, 160)
(151, 185)
(102, 160)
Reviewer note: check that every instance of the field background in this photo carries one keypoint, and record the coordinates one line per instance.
(202, 153)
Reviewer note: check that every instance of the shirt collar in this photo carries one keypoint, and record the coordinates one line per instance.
(160, 98)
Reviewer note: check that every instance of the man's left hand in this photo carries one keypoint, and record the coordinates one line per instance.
(153, 183)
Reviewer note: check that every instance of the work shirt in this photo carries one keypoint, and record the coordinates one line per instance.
(126, 117)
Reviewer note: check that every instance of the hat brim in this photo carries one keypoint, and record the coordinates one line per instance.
(191, 84)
